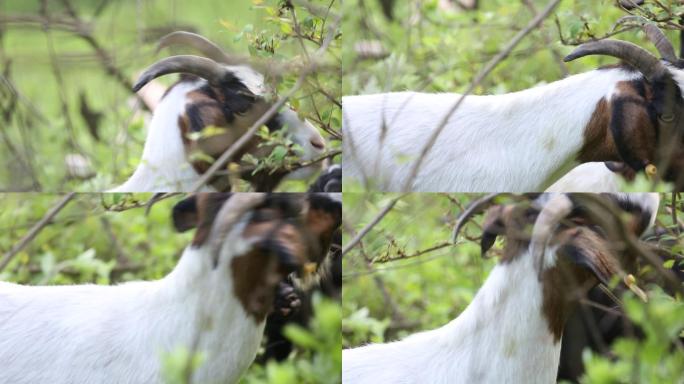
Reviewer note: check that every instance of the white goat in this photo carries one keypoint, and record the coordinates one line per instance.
(214, 301)
(232, 97)
(511, 331)
(588, 178)
(523, 141)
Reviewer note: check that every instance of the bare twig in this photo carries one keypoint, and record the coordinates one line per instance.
(675, 220)
(288, 168)
(370, 225)
(124, 206)
(418, 253)
(35, 230)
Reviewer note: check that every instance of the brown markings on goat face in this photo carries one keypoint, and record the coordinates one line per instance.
(208, 111)
(321, 225)
(583, 260)
(208, 206)
(254, 276)
(514, 222)
(287, 244)
(257, 273)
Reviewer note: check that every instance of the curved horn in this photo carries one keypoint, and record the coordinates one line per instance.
(634, 55)
(477, 206)
(661, 42)
(232, 210)
(199, 66)
(654, 34)
(556, 209)
(199, 42)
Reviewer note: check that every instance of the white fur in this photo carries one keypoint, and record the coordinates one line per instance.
(516, 142)
(649, 202)
(501, 337)
(164, 166)
(118, 334)
(253, 80)
(588, 178)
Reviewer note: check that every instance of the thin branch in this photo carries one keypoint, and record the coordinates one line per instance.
(288, 168)
(675, 220)
(370, 225)
(478, 79)
(403, 256)
(138, 204)
(35, 230)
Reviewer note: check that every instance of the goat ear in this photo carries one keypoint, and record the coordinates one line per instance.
(492, 227)
(185, 215)
(616, 166)
(323, 216)
(632, 127)
(586, 249)
(621, 168)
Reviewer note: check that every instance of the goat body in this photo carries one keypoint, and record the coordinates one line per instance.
(117, 334)
(515, 142)
(588, 178)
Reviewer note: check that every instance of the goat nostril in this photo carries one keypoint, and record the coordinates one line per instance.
(317, 143)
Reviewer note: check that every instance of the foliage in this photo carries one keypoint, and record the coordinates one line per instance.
(108, 239)
(320, 359)
(651, 360)
(50, 142)
(405, 276)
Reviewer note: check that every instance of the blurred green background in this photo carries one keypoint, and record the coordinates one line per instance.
(438, 49)
(47, 75)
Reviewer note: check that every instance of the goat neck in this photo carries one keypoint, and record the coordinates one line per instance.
(164, 166)
(501, 337)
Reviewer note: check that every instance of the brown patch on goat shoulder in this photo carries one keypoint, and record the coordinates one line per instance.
(598, 142)
(632, 126)
(514, 223)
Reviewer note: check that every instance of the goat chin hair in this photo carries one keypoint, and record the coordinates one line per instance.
(511, 331)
